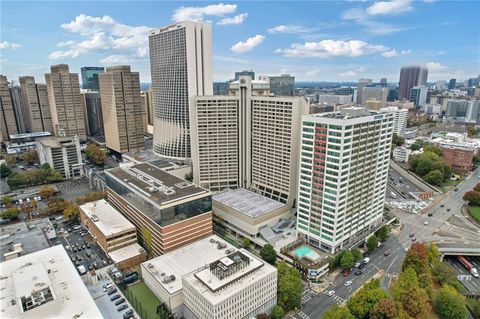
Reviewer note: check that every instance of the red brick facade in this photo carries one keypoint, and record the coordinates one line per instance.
(460, 161)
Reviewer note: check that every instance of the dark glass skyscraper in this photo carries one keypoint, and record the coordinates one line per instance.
(90, 77)
(409, 77)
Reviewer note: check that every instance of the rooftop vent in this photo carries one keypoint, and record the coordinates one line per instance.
(168, 279)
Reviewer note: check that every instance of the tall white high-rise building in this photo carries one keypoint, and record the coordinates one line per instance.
(399, 119)
(180, 63)
(343, 176)
(247, 139)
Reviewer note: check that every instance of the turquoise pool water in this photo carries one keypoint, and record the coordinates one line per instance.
(302, 251)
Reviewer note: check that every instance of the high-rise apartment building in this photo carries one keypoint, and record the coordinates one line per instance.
(418, 95)
(361, 84)
(249, 73)
(409, 77)
(90, 77)
(343, 176)
(66, 102)
(180, 62)
(9, 119)
(399, 119)
(122, 109)
(461, 111)
(35, 100)
(283, 85)
(248, 139)
(93, 110)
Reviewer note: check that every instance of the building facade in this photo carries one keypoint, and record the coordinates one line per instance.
(90, 77)
(409, 77)
(249, 73)
(93, 108)
(62, 154)
(334, 99)
(399, 119)
(35, 99)
(66, 102)
(418, 95)
(122, 109)
(167, 211)
(283, 85)
(374, 93)
(460, 160)
(9, 119)
(180, 63)
(343, 176)
(247, 139)
(148, 105)
(361, 84)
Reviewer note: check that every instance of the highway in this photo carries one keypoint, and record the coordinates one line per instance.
(316, 305)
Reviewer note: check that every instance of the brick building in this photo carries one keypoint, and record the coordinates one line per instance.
(459, 160)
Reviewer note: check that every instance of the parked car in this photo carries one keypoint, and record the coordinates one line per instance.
(346, 272)
(425, 223)
(128, 314)
(386, 254)
(448, 209)
(366, 260)
(122, 307)
(405, 249)
(414, 239)
(361, 266)
(107, 286)
(348, 283)
(119, 301)
(443, 205)
(330, 293)
(358, 272)
(430, 214)
(357, 265)
(412, 235)
(112, 291)
(115, 297)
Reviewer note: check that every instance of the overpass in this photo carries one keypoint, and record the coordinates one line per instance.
(457, 250)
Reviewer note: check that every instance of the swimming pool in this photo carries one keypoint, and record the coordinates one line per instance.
(306, 252)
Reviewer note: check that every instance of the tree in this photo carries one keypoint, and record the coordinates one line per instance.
(385, 309)
(415, 302)
(372, 243)
(473, 197)
(432, 148)
(57, 205)
(432, 253)
(96, 154)
(434, 177)
(71, 212)
(361, 304)
(277, 312)
(290, 287)
(246, 242)
(477, 187)
(7, 200)
(397, 140)
(5, 170)
(408, 277)
(356, 253)
(417, 259)
(10, 160)
(471, 131)
(336, 312)
(29, 157)
(449, 304)
(268, 254)
(189, 177)
(47, 191)
(415, 147)
(383, 233)
(443, 273)
(10, 213)
(90, 197)
(347, 260)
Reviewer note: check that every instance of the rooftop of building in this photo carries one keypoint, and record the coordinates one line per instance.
(125, 253)
(347, 113)
(108, 220)
(247, 202)
(44, 284)
(154, 184)
(227, 276)
(186, 260)
(148, 156)
(56, 141)
(29, 135)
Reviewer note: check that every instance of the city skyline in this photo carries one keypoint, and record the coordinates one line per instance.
(328, 41)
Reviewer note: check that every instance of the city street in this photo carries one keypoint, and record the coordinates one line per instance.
(390, 266)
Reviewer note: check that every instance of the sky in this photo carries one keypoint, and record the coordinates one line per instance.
(312, 40)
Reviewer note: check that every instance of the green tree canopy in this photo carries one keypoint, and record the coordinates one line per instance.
(434, 177)
(277, 312)
(47, 191)
(290, 287)
(71, 212)
(362, 303)
(10, 213)
(397, 140)
(96, 154)
(449, 304)
(268, 254)
(372, 243)
(347, 260)
(356, 253)
(7, 200)
(385, 309)
(246, 242)
(336, 312)
(383, 233)
(30, 157)
(5, 170)
(415, 302)
(473, 197)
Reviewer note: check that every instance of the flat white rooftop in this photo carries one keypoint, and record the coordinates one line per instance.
(216, 290)
(126, 253)
(247, 202)
(108, 220)
(44, 284)
(185, 260)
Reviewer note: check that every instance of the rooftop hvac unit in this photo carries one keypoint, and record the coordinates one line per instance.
(150, 265)
(168, 279)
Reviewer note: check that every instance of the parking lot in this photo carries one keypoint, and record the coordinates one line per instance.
(81, 247)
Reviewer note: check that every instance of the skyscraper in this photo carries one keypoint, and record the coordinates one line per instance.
(248, 139)
(180, 62)
(93, 108)
(9, 122)
(361, 84)
(451, 84)
(122, 109)
(90, 77)
(409, 77)
(399, 119)
(66, 102)
(418, 95)
(343, 176)
(35, 99)
(283, 85)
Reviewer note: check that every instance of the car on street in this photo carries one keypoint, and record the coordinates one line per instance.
(357, 265)
(107, 287)
(347, 283)
(430, 214)
(330, 293)
(405, 249)
(448, 209)
(443, 205)
(122, 307)
(366, 260)
(361, 266)
(414, 239)
(74, 249)
(412, 235)
(456, 189)
(386, 254)
(425, 223)
(358, 272)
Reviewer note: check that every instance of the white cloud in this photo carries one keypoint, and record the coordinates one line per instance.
(292, 29)
(115, 59)
(436, 67)
(393, 53)
(331, 48)
(392, 7)
(349, 74)
(102, 33)
(238, 19)
(198, 13)
(311, 73)
(9, 45)
(247, 45)
(224, 58)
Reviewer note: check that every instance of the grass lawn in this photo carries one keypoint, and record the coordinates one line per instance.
(143, 300)
(474, 212)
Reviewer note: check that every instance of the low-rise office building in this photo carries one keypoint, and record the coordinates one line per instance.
(163, 275)
(62, 154)
(23, 142)
(167, 211)
(44, 284)
(238, 285)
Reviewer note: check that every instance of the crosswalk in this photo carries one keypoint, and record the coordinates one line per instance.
(392, 276)
(301, 315)
(306, 296)
(338, 300)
